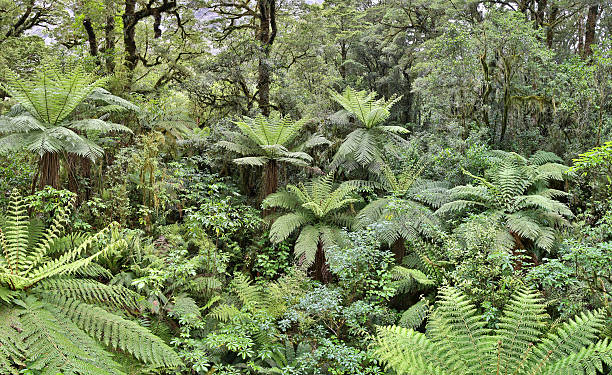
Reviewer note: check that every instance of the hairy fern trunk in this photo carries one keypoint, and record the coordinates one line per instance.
(270, 182)
(48, 170)
(399, 250)
(320, 269)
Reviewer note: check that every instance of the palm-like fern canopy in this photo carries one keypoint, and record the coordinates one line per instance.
(515, 192)
(46, 118)
(52, 319)
(457, 341)
(365, 146)
(263, 139)
(317, 209)
(399, 209)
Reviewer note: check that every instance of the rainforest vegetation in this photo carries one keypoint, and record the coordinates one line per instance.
(306, 187)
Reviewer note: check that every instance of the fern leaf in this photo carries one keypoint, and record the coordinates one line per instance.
(118, 333)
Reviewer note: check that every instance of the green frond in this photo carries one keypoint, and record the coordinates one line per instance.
(364, 107)
(546, 240)
(281, 199)
(552, 171)
(408, 352)
(55, 344)
(12, 143)
(519, 329)
(19, 124)
(459, 206)
(47, 103)
(524, 224)
(102, 95)
(544, 157)
(314, 141)
(588, 361)
(239, 148)
(543, 203)
(92, 292)
(285, 225)
(249, 294)
(347, 148)
(306, 245)
(118, 333)
(256, 161)
(224, 312)
(98, 125)
(51, 96)
(394, 129)
(46, 314)
(186, 308)
(11, 344)
(472, 193)
(15, 236)
(68, 263)
(408, 280)
(571, 337)
(457, 342)
(294, 161)
(460, 332)
(415, 315)
(262, 139)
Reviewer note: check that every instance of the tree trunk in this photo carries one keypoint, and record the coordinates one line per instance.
(109, 40)
(399, 250)
(129, 39)
(270, 182)
(550, 31)
(589, 29)
(265, 36)
(343, 57)
(320, 269)
(270, 178)
(91, 38)
(48, 170)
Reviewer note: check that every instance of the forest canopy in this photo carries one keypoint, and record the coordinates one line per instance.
(306, 187)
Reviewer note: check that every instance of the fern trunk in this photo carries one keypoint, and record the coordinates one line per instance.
(270, 182)
(320, 269)
(48, 170)
(399, 250)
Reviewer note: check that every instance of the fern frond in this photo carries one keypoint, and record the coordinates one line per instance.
(90, 291)
(571, 337)
(523, 321)
(415, 315)
(306, 245)
(249, 294)
(460, 332)
(407, 279)
(285, 225)
(118, 333)
(408, 352)
(55, 344)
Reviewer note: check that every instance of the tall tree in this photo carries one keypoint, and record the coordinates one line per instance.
(259, 16)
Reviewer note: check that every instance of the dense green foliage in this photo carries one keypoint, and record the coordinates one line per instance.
(330, 187)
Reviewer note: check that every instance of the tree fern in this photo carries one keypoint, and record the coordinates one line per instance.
(55, 322)
(48, 117)
(515, 191)
(400, 214)
(318, 210)
(365, 146)
(267, 141)
(456, 341)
